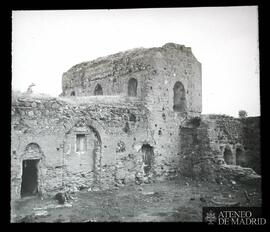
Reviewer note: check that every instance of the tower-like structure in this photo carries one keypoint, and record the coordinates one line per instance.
(119, 118)
(166, 79)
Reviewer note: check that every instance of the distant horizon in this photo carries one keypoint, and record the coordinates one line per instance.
(45, 44)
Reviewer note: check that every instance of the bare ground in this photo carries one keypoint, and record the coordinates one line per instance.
(178, 200)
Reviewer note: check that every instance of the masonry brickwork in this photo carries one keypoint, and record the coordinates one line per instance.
(131, 117)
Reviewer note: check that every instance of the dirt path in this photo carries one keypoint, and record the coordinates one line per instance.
(178, 200)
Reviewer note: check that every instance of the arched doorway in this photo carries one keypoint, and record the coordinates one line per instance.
(98, 90)
(132, 87)
(240, 157)
(228, 156)
(30, 170)
(147, 157)
(179, 97)
(72, 93)
(29, 185)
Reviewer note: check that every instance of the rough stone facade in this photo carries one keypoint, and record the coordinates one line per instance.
(221, 147)
(235, 140)
(53, 125)
(130, 117)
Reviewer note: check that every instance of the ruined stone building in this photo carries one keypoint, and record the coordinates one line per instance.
(130, 117)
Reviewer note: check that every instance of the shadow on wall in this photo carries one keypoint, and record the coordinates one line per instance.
(240, 157)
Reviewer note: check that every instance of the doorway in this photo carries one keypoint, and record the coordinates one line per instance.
(228, 156)
(132, 87)
(147, 156)
(98, 90)
(29, 185)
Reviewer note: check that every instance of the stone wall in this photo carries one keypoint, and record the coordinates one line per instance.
(116, 130)
(112, 73)
(240, 137)
(86, 141)
(115, 134)
(252, 142)
(157, 70)
(204, 148)
(173, 63)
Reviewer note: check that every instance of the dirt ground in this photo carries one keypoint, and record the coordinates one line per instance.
(178, 200)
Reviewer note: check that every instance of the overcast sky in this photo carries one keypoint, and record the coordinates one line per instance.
(225, 40)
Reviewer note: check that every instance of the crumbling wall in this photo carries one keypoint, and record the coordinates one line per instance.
(116, 132)
(197, 157)
(204, 148)
(252, 142)
(225, 134)
(112, 73)
(29, 126)
(128, 134)
(156, 70)
(172, 64)
(240, 137)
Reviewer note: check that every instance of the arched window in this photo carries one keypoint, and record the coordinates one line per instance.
(132, 87)
(179, 97)
(98, 90)
(72, 93)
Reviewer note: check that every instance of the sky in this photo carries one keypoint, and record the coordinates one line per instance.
(45, 44)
